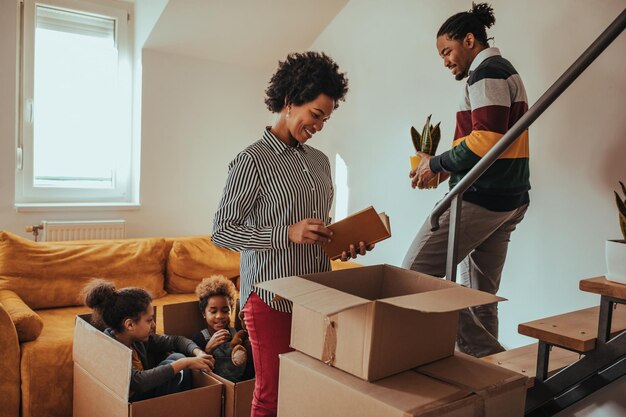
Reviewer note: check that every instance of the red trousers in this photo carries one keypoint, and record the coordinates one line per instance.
(270, 332)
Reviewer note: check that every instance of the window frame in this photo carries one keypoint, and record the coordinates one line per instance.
(124, 190)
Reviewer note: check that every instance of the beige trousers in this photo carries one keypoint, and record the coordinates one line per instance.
(483, 242)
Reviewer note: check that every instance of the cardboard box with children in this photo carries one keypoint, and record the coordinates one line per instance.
(375, 321)
(185, 319)
(102, 371)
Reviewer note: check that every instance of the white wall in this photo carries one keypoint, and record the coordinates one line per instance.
(577, 146)
(196, 116)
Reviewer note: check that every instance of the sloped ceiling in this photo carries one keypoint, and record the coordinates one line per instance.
(251, 33)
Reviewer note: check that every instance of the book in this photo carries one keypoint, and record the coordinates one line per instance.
(364, 226)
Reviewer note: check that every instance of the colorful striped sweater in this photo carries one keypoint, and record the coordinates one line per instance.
(495, 99)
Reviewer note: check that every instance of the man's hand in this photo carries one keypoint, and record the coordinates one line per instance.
(309, 231)
(353, 253)
(422, 175)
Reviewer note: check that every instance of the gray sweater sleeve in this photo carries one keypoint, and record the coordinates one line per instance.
(147, 379)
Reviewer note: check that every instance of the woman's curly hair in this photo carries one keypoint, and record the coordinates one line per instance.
(302, 77)
(215, 285)
(111, 306)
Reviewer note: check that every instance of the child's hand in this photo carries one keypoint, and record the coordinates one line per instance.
(218, 338)
(202, 363)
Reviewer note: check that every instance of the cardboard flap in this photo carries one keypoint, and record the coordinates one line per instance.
(102, 357)
(471, 373)
(311, 295)
(444, 300)
(182, 319)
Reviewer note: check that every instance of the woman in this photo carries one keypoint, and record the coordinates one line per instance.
(276, 204)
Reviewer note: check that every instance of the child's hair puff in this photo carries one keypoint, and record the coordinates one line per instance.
(111, 306)
(216, 285)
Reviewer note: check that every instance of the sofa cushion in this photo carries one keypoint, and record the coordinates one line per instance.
(52, 274)
(27, 323)
(194, 258)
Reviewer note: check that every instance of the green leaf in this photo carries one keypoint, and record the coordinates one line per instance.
(436, 137)
(416, 138)
(621, 205)
(427, 142)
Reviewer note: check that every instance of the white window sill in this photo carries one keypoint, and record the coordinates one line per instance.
(41, 207)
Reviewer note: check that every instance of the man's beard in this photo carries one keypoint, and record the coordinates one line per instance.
(460, 75)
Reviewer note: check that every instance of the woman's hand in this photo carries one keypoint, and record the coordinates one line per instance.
(219, 337)
(353, 253)
(309, 231)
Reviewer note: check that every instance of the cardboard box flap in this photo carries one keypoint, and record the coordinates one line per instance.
(444, 300)
(471, 373)
(114, 372)
(311, 295)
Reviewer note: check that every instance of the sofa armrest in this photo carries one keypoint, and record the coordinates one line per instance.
(9, 366)
(27, 323)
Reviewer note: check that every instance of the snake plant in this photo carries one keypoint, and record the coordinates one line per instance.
(621, 207)
(428, 140)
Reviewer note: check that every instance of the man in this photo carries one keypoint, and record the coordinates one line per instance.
(494, 100)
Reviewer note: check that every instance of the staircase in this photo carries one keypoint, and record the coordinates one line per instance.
(578, 352)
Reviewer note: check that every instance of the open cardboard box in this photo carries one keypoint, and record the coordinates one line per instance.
(375, 321)
(185, 319)
(102, 368)
(501, 392)
(308, 388)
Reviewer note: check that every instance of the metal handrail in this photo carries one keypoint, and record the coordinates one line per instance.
(568, 77)
(453, 199)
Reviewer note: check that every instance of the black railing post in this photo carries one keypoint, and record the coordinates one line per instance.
(453, 241)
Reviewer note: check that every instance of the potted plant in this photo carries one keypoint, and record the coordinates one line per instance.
(616, 249)
(426, 142)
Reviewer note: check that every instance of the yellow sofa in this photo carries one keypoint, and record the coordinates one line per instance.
(40, 295)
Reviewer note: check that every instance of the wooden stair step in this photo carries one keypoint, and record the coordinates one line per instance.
(576, 330)
(523, 360)
(601, 285)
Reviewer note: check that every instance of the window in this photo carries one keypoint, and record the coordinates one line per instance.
(75, 142)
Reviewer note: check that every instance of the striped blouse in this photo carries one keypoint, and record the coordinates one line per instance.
(270, 186)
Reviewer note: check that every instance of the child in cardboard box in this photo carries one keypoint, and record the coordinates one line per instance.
(129, 316)
(230, 348)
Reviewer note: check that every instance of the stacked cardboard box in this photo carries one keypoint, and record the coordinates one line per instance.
(102, 368)
(379, 323)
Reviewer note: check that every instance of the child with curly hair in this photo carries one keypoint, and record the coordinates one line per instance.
(129, 315)
(230, 348)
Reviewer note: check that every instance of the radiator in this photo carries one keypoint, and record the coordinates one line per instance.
(55, 231)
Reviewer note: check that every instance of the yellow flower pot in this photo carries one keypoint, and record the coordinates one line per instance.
(415, 161)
